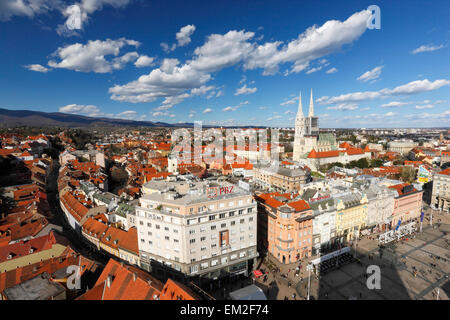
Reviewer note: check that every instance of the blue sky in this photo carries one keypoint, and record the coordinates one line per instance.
(228, 62)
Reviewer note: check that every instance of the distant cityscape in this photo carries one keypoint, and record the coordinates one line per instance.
(227, 153)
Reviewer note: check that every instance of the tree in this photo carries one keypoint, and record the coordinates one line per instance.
(374, 163)
(408, 174)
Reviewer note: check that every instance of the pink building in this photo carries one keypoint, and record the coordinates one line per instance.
(407, 204)
(284, 227)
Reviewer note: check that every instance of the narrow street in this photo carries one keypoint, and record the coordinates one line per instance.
(58, 218)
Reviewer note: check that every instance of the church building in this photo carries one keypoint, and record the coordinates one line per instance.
(307, 136)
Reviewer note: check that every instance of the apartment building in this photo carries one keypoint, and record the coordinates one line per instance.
(351, 215)
(286, 226)
(198, 228)
(440, 198)
(407, 204)
(284, 178)
(402, 146)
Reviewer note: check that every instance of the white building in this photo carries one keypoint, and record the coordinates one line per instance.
(197, 228)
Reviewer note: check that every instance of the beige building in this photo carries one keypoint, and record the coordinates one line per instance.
(440, 197)
(196, 228)
(286, 178)
(402, 146)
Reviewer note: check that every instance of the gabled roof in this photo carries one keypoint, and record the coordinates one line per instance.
(299, 205)
(123, 282)
(176, 291)
(23, 248)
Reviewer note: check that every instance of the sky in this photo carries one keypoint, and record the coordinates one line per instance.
(229, 63)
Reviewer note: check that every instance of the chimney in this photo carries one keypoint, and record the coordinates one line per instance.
(134, 277)
(108, 281)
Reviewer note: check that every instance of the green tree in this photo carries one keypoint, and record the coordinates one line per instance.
(408, 174)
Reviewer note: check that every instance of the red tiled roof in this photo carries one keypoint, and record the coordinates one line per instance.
(125, 283)
(323, 154)
(24, 248)
(399, 188)
(299, 205)
(176, 291)
(75, 208)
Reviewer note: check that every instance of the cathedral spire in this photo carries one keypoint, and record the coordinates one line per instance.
(300, 108)
(311, 105)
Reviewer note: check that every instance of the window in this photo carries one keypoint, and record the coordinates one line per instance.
(231, 214)
(150, 242)
(166, 228)
(222, 215)
(202, 238)
(213, 227)
(212, 217)
(176, 240)
(242, 221)
(233, 223)
(241, 212)
(166, 237)
(250, 219)
(175, 230)
(191, 231)
(149, 224)
(141, 223)
(157, 226)
(149, 233)
(223, 225)
(203, 249)
(192, 241)
(194, 268)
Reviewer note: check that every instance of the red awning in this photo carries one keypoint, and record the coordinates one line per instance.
(257, 273)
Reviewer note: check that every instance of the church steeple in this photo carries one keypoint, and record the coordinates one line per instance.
(300, 108)
(311, 106)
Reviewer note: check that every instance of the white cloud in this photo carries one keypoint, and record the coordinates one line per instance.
(312, 44)
(371, 74)
(289, 102)
(89, 110)
(314, 70)
(29, 8)
(344, 107)
(37, 68)
(183, 38)
(90, 57)
(426, 48)
(245, 90)
(412, 87)
(202, 90)
(144, 61)
(289, 112)
(184, 35)
(230, 108)
(129, 114)
(207, 110)
(394, 104)
(332, 70)
(224, 50)
(274, 118)
(426, 106)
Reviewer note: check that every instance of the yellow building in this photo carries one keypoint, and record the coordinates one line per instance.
(351, 215)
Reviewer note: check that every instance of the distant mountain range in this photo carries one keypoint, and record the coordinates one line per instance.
(9, 118)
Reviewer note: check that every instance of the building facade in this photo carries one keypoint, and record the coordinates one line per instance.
(197, 228)
(440, 198)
